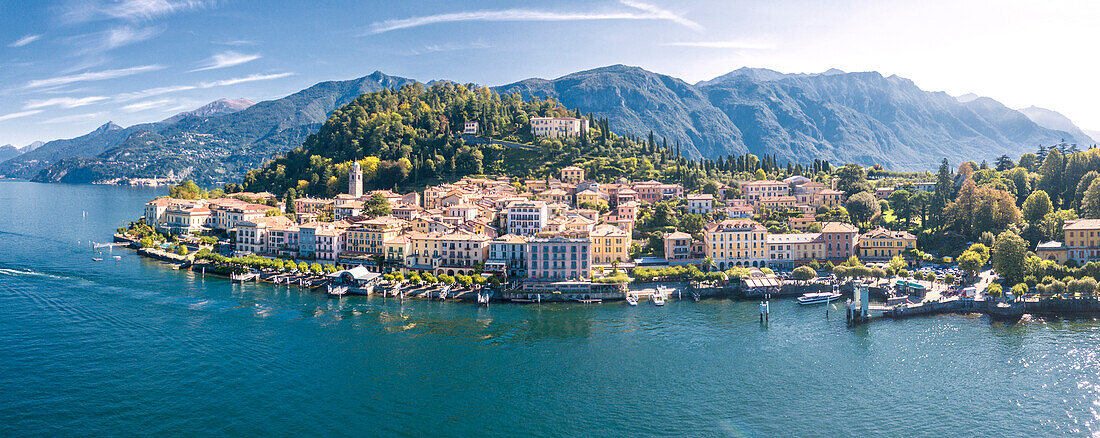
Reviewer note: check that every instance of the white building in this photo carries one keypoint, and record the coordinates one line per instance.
(355, 180)
(525, 218)
(700, 204)
(558, 126)
(470, 128)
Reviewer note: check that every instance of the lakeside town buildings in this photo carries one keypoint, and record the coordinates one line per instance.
(546, 233)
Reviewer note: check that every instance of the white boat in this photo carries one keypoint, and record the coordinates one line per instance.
(631, 300)
(658, 299)
(818, 297)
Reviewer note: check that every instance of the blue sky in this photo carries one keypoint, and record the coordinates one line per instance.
(68, 66)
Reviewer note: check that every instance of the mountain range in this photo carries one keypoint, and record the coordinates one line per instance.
(860, 117)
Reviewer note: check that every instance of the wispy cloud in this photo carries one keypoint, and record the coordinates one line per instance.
(98, 42)
(64, 102)
(723, 45)
(74, 118)
(19, 114)
(639, 11)
(226, 59)
(151, 92)
(147, 105)
(450, 47)
(25, 40)
(92, 76)
(133, 10)
(250, 78)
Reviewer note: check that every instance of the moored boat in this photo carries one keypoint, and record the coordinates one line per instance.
(658, 299)
(818, 297)
(631, 300)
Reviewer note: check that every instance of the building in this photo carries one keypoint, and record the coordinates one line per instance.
(883, 244)
(1082, 240)
(182, 219)
(840, 240)
(806, 192)
(347, 209)
(677, 246)
(653, 191)
(252, 235)
(753, 191)
(470, 128)
(313, 206)
(558, 126)
(508, 256)
(572, 174)
(736, 242)
(700, 203)
(609, 244)
(155, 211)
(829, 198)
(451, 254)
(787, 251)
(883, 192)
(355, 180)
(775, 203)
(329, 243)
(1052, 250)
(588, 196)
(554, 196)
(525, 218)
(800, 223)
(558, 258)
(282, 240)
(397, 250)
(370, 236)
(570, 223)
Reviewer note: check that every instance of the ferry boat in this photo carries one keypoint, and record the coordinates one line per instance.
(631, 300)
(818, 297)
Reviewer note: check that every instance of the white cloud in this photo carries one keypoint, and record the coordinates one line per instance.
(147, 105)
(92, 76)
(150, 92)
(723, 45)
(449, 47)
(250, 78)
(226, 59)
(64, 102)
(133, 10)
(74, 118)
(98, 42)
(642, 11)
(25, 40)
(19, 114)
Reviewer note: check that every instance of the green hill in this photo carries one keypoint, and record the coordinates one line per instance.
(407, 138)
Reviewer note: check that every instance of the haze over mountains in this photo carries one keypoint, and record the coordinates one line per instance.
(863, 117)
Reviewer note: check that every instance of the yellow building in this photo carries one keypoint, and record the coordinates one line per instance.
(1083, 240)
(883, 244)
(736, 242)
(609, 244)
(369, 236)
(572, 174)
(588, 196)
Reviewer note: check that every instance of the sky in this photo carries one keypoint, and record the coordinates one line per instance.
(68, 66)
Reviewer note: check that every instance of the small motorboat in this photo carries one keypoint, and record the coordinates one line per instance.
(658, 299)
(118, 257)
(97, 259)
(818, 297)
(632, 300)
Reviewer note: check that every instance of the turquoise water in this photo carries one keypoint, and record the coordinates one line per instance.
(132, 347)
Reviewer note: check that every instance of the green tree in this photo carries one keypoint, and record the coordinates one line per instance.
(862, 207)
(377, 205)
(803, 273)
(1051, 172)
(1036, 207)
(1009, 256)
(852, 179)
(899, 202)
(1090, 203)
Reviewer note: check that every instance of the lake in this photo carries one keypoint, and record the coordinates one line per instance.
(134, 347)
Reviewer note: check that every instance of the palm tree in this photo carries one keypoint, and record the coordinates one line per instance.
(379, 261)
(708, 263)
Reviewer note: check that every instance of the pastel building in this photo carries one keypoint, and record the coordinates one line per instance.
(555, 127)
(525, 218)
(558, 258)
(736, 242)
